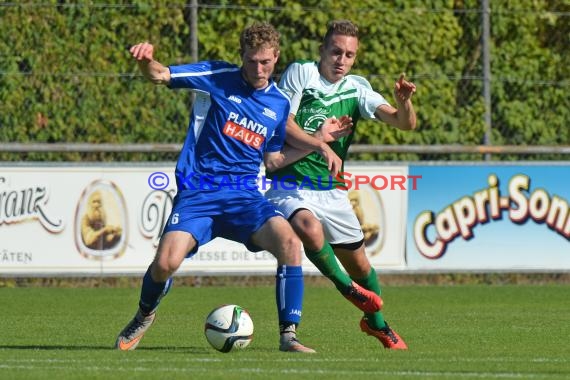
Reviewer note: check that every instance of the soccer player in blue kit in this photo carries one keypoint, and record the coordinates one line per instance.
(238, 121)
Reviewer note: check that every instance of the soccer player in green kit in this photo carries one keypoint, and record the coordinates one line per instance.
(320, 212)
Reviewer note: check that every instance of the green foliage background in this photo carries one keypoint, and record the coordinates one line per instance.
(66, 75)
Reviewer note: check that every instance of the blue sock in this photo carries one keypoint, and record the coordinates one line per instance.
(289, 289)
(152, 292)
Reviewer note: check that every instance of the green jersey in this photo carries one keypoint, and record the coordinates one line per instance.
(314, 99)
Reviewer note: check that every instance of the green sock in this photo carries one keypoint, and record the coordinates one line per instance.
(370, 282)
(325, 261)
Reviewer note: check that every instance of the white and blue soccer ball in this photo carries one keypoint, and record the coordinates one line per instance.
(229, 327)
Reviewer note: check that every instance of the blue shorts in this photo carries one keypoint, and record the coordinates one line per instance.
(231, 214)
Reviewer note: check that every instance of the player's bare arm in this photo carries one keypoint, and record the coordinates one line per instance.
(331, 130)
(152, 70)
(274, 160)
(288, 155)
(299, 139)
(404, 116)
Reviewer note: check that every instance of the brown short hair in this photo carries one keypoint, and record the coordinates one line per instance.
(342, 27)
(258, 35)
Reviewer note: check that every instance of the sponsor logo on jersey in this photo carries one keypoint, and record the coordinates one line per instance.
(246, 123)
(270, 113)
(244, 135)
(245, 130)
(234, 98)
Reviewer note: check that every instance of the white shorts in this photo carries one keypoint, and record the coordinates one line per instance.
(331, 207)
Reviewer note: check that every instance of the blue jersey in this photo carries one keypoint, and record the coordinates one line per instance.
(231, 127)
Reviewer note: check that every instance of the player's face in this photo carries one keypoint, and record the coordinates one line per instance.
(258, 65)
(337, 57)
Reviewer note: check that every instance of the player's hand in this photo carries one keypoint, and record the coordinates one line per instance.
(142, 51)
(403, 90)
(334, 163)
(333, 129)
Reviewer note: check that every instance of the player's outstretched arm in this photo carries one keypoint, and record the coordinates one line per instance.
(404, 116)
(152, 70)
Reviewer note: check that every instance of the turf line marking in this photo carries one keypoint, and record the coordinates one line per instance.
(486, 375)
(305, 360)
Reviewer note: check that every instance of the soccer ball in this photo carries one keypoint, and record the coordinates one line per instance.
(228, 327)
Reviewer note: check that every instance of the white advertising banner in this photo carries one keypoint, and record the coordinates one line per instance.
(81, 220)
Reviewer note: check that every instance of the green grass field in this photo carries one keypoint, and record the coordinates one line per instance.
(454, 332)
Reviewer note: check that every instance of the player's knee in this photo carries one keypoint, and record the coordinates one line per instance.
(311, 233)
(160, 271)
(293, 245)
(313, 242)
(291, 250)
(164, 268)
